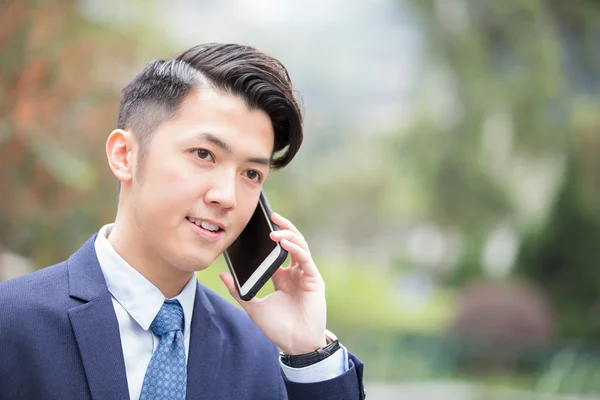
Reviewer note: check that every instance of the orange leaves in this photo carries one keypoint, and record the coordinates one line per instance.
(60, 80)
(31, 77)
(51, 19)
(25, 90)
(12, 16)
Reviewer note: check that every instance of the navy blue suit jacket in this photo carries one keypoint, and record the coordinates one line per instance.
(59, 339)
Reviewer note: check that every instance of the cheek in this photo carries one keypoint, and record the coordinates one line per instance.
(169, 192)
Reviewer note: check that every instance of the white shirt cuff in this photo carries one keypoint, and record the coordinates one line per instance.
(331, 367)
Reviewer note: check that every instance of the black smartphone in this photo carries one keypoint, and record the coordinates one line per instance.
(253, 257)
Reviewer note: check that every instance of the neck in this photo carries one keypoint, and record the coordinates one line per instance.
(125, 239)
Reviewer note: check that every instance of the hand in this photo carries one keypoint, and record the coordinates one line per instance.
(294, 316)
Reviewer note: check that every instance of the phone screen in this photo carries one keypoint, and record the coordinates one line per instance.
(252, 247)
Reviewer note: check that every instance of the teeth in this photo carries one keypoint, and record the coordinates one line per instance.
(204, 224)
(208, 226)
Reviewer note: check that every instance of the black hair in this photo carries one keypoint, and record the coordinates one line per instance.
(156, 93)
(261, 81)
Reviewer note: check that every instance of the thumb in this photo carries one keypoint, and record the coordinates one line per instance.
(230, 285)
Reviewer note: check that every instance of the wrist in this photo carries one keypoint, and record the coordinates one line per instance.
(299, 360)
(305, 348)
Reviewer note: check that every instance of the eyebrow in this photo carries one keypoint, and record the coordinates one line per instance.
(227, 149)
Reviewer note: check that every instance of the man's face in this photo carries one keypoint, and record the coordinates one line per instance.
(204, 167)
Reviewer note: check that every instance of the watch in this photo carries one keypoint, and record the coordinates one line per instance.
(304, 360)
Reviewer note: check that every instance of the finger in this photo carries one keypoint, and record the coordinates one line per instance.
(230, 285)
(284, 223)
(279, 277)
(293, 237)
(302, 257)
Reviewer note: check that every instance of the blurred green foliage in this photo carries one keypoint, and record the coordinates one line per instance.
(518, 120)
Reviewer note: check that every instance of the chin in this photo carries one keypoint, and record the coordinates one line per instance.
(196, 262)
(200, 266)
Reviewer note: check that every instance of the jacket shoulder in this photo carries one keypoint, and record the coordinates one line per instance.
(34, 290)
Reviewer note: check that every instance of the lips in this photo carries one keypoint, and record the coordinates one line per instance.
(206, 229)
(211, 226)
(203, 224)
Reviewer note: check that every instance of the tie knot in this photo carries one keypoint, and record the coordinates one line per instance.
(168, 319)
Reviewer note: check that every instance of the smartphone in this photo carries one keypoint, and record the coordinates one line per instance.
(253, 257)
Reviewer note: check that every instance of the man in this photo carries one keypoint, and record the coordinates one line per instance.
(124, 317)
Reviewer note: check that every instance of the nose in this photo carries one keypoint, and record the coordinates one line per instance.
(222, 192)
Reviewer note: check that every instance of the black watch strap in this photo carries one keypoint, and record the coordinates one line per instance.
(304, 360)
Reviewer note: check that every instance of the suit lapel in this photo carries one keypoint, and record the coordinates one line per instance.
(97, 334)
(96, 327)
(205, 353)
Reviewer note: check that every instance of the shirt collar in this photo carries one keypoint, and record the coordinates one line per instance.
(138, 296)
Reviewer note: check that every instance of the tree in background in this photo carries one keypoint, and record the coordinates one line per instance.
(60, 77)
(507, 134)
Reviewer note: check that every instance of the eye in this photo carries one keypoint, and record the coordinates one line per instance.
(204, 154)
(253, 174)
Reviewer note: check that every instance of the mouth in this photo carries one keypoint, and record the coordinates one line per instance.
(206, 225)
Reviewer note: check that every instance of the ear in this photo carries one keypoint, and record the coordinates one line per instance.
(120, 151)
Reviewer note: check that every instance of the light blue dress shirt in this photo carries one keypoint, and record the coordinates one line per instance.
(137, 302)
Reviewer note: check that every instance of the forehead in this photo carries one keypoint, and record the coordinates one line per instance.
(222, 115)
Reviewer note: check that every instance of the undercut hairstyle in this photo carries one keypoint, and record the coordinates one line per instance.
(156, 93)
